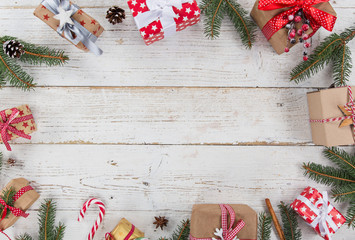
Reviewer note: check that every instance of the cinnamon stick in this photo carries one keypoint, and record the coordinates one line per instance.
(275, 220)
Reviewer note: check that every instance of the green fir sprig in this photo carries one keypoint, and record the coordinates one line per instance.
(289, 222)
(264, 226)
(47, 228)
(7, 195)
(11, 71)
(340, 178)
(215, 10)
(181, 232)
(333, 50)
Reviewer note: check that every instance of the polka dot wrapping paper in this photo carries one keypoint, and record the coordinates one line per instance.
(316, 210)
(267, 19)
(187, 15)
(80, 16)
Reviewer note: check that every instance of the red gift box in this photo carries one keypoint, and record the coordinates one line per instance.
(157, 19)
(316, 210)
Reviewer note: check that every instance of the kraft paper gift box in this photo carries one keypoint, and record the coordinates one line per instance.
(124, 231)
(152, 30)
(24, 201)
(21, 124)
(93, 28)
(279, 39)
(205, 218)
(327, 104)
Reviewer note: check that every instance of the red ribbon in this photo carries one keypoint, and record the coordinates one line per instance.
(229, 233)
(108, 236)
(5, 126)
(317, 17)
(350, 107)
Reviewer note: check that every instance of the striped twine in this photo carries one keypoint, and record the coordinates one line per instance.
(99, 219)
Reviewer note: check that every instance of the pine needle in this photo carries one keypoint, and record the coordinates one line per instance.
(264, 227)
(350, 215)
(7, 195)
(181, 232)
(289, 221)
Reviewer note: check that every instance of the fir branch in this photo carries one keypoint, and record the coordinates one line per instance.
(59, 232)
(12, 72)
(214, 11)
(181, 232)
(242, 22)
(327, 175)
(350, 215)
(344, 192)
(341, 158)
(289, 221)
(24, 237)
(332, 49)
(7, 195)
(264, 227)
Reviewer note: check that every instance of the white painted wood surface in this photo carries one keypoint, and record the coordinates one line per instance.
(153, 130)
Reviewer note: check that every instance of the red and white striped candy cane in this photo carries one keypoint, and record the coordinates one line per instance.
(99, 218)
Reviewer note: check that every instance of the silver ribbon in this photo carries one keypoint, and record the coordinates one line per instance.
(163, 10)
(81, 33)
(322, 214)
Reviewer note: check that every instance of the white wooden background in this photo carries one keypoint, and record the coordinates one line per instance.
(153, 130)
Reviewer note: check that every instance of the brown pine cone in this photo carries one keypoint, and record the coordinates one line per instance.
(13, 49)
(115, 15)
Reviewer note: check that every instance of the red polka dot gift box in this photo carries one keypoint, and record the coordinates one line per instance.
(318, 213)
(287, 22)
(16, 123)
(157, 19)
(72, 23)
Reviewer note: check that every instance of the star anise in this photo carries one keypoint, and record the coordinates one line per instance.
(11, 162)
(160, 222)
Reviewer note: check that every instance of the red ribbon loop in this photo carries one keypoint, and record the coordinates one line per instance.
(230, 233)
(317, 17)
(5, 126)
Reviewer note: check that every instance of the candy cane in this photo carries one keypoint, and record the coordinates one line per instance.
(86, 205)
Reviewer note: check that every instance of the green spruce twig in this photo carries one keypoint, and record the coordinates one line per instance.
(264, 226)
(340, 178)
(181, 232)
(289, 222)
(334, 50)
(7, 195)
(215, 11)
(47, 228)
(12, 72)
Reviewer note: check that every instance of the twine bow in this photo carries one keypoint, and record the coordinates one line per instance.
(349, 110)
(317, 17)
(163, 10)
(5, 126)
(75, 32)
(322, 212)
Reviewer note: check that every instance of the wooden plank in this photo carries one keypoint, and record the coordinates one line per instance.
(202, 62)
(140, 182)
(133, 115)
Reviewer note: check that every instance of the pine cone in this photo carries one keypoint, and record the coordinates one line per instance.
(13, 49)
(115, 15)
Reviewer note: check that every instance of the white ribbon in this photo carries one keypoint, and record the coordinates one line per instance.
(322, 214)
(163, 10)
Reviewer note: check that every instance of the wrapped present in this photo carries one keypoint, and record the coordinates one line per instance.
(124, 231)
(157, 19)
(15, 123)
(272, 16)
(23, 199)
(332, 116)
(318, 213)
(71, 23)
(209, 221)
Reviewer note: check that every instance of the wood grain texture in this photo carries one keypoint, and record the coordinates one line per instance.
(153, 130)
(140, 182)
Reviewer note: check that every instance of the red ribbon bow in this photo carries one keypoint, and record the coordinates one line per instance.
(5, 126)
(317, 17)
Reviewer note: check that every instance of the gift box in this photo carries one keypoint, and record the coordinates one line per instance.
(15, 123)
(72, 23)
(318, 213)
(23, 199)
(331, 123)
(224, 221)
(158, 19)
(124, 231)
(271, 17)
